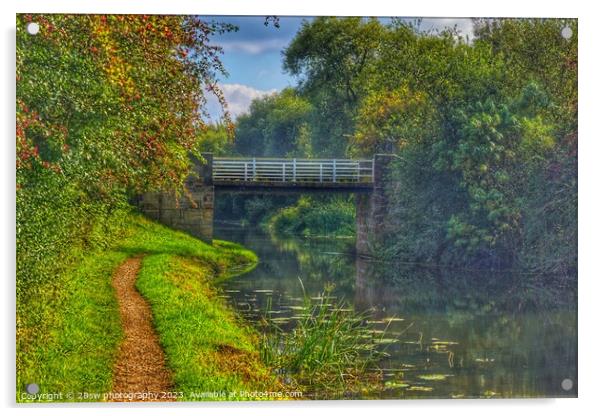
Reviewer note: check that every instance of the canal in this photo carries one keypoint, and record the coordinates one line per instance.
(447, 334)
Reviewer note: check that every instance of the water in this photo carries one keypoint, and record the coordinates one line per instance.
(449, 334)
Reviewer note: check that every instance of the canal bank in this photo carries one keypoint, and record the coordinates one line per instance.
(74, 350)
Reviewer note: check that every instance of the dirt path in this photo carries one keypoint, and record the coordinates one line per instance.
(140, 373)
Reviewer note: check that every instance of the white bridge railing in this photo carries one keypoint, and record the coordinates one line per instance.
(292, 170)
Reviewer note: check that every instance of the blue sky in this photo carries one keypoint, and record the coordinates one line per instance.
(253, 57)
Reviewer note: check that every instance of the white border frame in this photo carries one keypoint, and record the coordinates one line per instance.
(589, 200)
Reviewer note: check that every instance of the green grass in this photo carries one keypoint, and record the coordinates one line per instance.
(69, 332)
(206, 346)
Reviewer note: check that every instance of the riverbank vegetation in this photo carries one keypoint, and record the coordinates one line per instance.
(334, 217)
(484, 130)
(328, 353)
(107, 107)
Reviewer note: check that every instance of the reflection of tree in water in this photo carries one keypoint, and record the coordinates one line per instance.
(420, 288)
(508, 332)
(318, 258)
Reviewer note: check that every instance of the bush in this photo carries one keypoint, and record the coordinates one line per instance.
(311, 218)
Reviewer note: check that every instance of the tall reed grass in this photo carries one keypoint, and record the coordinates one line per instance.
(328, 353)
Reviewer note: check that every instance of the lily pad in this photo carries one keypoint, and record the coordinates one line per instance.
(420, 388)
(439, 348)
(445, 343)
(433, 377)
(393, 384)
(385, 340)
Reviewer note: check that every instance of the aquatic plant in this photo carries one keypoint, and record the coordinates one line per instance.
(326, 353)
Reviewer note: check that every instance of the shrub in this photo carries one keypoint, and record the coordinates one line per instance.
(311, 218)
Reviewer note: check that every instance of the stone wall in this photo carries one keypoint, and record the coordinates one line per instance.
(192, 213)
(371, 209)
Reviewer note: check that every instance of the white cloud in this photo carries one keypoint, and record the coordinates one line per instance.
(253, 47)
(238, 97)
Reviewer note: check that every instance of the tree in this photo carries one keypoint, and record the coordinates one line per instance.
(331, 57)
(276, 125)
(486, 135)
(107, 106)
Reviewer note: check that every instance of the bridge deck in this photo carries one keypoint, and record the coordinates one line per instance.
(293, 173)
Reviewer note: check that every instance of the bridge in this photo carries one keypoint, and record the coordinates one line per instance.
(294, 174)
(215, 175)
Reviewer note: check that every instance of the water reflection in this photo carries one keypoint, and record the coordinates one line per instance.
(449, 333)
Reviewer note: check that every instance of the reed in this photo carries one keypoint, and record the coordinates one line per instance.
(327, 353)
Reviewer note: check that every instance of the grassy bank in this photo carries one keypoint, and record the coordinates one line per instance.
(69, 333)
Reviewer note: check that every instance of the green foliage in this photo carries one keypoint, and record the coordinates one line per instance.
(389, 120)
(331, 57)
(258, 208)
(477, 128)
(276, 125)
(496, 144)
(107, 106)
(533, 50)
(314, 218)
(216, 139)
(248, 209)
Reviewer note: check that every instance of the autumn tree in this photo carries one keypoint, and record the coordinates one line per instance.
(107, 106)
